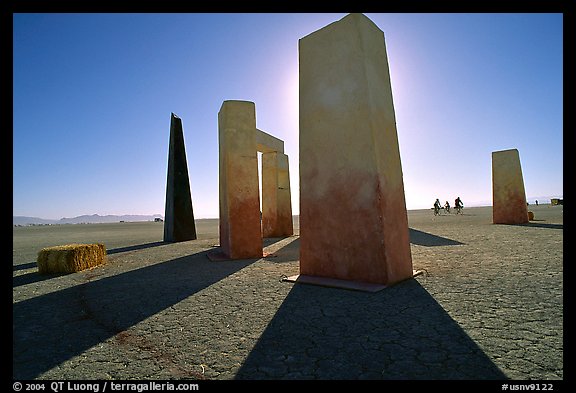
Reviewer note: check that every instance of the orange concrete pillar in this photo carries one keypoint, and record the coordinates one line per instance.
(240, 228)
(353, 221)
(284, 197)
(276, 203)
(508, 194)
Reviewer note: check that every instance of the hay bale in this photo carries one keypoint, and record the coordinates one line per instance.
(70, 258)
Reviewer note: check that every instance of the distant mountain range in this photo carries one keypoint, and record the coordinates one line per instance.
(88, 219)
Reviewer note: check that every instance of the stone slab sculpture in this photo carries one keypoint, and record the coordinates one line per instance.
(508, 193)
(276, 198)
(242, 225)
(353, 220)
(240, 230)
(179, 222)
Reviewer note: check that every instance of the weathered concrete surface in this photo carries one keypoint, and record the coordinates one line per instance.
(240, 227)
(178, 215)
(508, 194)
(276, 198)
(266, 143)
(352, 208)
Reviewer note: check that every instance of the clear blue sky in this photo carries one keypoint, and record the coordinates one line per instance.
(93, 95)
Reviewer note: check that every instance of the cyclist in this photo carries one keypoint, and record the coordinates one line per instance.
(437, 207)
(458, 205)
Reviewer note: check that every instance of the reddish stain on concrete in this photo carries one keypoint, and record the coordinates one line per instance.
(268, 225)
(242, 235)
(513, 211)
(278, 225)
(346, 238)
(285, 225)
(224, 228)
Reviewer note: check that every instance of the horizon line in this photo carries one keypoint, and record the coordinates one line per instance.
(478, 204)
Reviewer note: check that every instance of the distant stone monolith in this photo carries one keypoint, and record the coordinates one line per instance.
(179, 222)
(508, 194)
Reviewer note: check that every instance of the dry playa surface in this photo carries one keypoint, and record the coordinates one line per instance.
(488, 306)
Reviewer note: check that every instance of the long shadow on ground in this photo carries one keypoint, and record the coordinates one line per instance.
(429, 240)
(24, 266)
(290, 252)
(136, 247)
(541, 225)
(34, 276)
(398, 333)
(52, 328)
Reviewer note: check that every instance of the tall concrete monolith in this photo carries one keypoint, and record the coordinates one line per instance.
(240, 227)
(179, 222)
(508, 194)
(353, 220)
(276, 204)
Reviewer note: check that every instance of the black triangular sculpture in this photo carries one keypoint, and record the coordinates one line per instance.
(179, 216)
